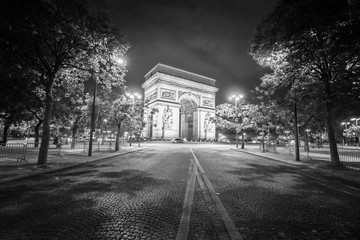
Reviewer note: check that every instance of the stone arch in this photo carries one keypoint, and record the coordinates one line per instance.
(189, 96)
(188, 107)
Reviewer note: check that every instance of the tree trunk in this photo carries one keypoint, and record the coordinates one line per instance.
(237, 140)
(297, 153)
(130, 138)
(92, 122)
(73, 136)
(335, 161)
(44, 147)
(37, 133)
(243, 141)
(6, 132)
(117, 141)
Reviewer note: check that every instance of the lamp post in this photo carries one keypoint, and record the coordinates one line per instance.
(345, 124)
(236, 98)
(307, 144)
(356, 121)
(307, 140)
(243, 140)
(104, 132)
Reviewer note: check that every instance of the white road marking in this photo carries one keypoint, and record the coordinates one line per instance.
(183, 230)
(233, 232)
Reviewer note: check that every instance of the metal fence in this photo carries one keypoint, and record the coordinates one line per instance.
(349, 154)
(103, 145)
(346, 154)
(24, 151)
(14, 151)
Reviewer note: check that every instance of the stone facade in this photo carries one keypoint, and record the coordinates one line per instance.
(178, 104)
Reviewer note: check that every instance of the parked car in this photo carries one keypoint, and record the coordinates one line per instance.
(177, 140)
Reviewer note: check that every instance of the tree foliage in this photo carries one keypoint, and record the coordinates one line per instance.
(241, 119)
(313, 48)
(59, 43)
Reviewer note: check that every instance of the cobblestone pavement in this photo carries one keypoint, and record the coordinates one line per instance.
(146, 195)
(273, 200)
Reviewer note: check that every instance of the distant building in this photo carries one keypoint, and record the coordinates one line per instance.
(185, 104)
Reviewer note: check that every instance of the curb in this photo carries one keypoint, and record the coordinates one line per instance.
(271, 158)
(316, 169)
(61, 168)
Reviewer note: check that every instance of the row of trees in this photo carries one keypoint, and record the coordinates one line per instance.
(52, 53)
(313, 50)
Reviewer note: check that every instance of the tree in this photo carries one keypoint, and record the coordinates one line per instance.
(119, 112)
(239, 120)
(315, 49)
(13, 101)
(352, 132)
(53, 38)
(70, 107)
(134, 122)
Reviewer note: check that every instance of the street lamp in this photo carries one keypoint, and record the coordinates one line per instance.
(307, 144)
(121, 61)
(133, 96)
(356, 121)
(105, 131)
(346, 124)
(237, 98)
(307, 140)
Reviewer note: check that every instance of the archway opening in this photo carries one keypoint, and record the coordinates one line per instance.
(188, 108)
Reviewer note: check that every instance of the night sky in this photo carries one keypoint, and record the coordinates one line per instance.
(207, 37)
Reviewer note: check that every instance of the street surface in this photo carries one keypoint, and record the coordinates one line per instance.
(181, 191)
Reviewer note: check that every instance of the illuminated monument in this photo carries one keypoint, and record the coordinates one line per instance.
(178, 104)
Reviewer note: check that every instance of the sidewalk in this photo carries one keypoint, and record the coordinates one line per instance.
(319, 162)
(11, 170)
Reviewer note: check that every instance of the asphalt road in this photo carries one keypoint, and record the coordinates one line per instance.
(181, 191)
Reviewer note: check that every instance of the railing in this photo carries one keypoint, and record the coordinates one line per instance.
(25, 151)
(14, 150)
(103, 146)
(349, 154)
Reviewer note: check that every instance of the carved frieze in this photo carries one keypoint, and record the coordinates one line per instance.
(151, 96)
(178, 85)
(208, 102)
(180, 93)
(168, 94)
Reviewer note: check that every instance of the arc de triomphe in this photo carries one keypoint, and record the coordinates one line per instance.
(178, 104)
